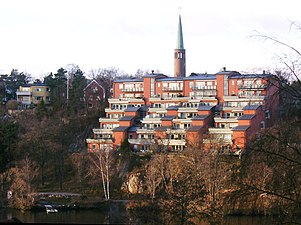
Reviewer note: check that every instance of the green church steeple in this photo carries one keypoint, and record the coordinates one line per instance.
(180, 42)
(179, 53)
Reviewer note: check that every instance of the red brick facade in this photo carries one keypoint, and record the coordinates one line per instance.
(94, 94)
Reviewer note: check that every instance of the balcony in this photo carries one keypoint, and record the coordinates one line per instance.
(145, 130)
(154, 99)
(140, 89)
(220, 130)
(102, 131)
(204, 97)
(125, 100)
(243, 98)
(99, 141)
(202, 88)
(157, 110)
(176, 130)
(142, 141)
(106, 120)
(252, 87)
(151, 119)
(171, 142)
(23, 93)
(225, 120)
(188, 109)
(172, 89)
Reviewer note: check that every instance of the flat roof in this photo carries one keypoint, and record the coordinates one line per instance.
(251, 107)
(194, 128)
(164, 128)
(172, 107)
(205, 107)
(126, 118)
(263, 75)
(132, 109)
(132, 129)
(168, 118)
(30, 85)
(246, 117)
(240, 128)
(128, 80)
(122, 128)
(200, 117)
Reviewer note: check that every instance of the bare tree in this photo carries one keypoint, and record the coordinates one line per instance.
(22, 178)
(289, 73)
(102, 167)
(79, 161)
(106, 76)
(272, 167)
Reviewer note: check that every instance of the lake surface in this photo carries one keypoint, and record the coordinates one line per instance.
(116, 216)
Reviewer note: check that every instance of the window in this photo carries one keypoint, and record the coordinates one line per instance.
(95, 89)
(262, 125)
(130, 136)
(226, 115)
(267, 114)
(178, 55)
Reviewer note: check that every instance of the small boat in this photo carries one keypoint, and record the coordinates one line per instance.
(50, 209)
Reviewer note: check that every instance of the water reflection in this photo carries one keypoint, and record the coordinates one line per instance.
(112, 217)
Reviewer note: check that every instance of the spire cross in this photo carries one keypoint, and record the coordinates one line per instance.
(179, 9)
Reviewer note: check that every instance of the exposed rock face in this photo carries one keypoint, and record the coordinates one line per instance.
(133, 185)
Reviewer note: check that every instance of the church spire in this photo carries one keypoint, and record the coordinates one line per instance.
(179, 53)
(180, 42)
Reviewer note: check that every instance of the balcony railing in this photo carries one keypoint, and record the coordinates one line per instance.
(252, 86)
(99, 141)
(125, 100)
(201, 88)
(27, 93)
(145, 130)
(141, 89)
(176, 89)
(141, 141)
(171, 142)
(220, 131)
(102, 131)
(243, 97)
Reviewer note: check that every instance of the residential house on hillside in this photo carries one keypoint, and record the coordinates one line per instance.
(31, 94)
(94, 93)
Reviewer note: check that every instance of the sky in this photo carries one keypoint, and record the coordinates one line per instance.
(41, 36)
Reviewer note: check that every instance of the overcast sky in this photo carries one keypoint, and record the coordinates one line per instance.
(40, 36)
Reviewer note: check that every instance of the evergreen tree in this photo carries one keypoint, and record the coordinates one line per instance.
(41, 110)
(57, 83)
(8, 135)
(76, 93)
(14, 81)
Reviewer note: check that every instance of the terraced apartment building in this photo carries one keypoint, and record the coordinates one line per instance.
(161, 113)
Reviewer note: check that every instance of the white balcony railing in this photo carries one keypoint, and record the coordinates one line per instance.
(26, 93)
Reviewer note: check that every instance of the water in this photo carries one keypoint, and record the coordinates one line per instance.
(96, 216)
